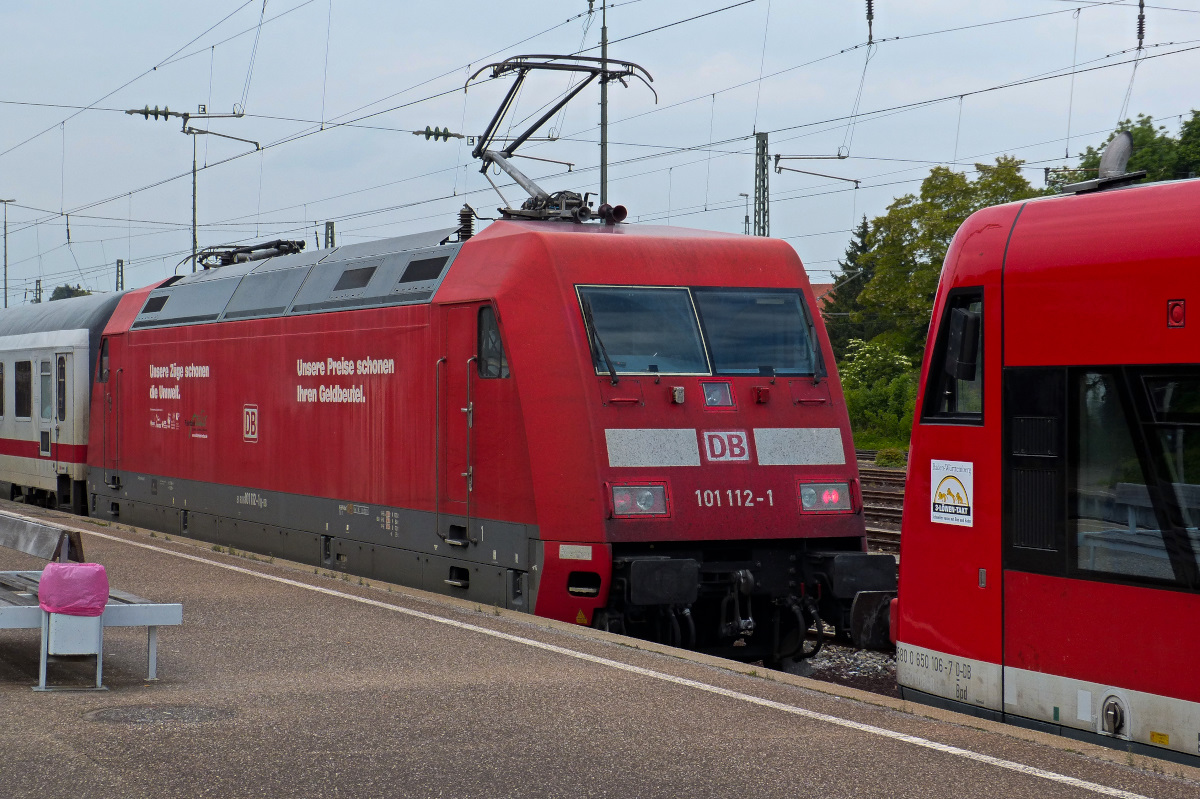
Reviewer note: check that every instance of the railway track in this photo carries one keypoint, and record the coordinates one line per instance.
(883, 503)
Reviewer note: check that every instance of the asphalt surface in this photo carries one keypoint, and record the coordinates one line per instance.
(271, 688)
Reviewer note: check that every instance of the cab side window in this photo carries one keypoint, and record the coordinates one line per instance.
(491, 360)
(103, 376)
(954, 387)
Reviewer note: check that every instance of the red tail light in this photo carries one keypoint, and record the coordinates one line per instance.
(818, 497)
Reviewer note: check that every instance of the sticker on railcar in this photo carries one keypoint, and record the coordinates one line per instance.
(953, 489)
(574, 552)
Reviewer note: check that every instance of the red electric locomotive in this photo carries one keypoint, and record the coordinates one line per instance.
(639, 428)
(1049, 569)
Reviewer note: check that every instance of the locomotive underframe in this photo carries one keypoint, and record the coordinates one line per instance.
(750, 600)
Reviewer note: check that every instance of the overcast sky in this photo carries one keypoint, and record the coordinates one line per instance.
(792, 69)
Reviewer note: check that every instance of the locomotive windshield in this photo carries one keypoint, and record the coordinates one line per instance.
(645, 330)
(751, 332)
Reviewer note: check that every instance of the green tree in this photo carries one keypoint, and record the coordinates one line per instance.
(880, 384)
(909, 243)
(843, 314)
(67, 290)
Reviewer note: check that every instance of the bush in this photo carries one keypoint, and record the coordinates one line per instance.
(891, 458)
(881, 414)
(881, 390)
(866, 363)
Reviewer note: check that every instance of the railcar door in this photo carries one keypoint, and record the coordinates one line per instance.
(110, 392)
(45, 407)
(64, 409)
(478, 418)
(457, 413)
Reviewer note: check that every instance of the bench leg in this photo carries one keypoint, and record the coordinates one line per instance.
(41, 686)
(152, 653)
(100, 660)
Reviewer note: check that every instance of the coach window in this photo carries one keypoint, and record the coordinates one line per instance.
(24, 374)
(3, 405)
(491, 360)
(954, 390)
(62, 388)
(1117, 527)
(47, 391)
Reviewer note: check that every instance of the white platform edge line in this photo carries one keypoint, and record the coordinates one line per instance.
(870, 729)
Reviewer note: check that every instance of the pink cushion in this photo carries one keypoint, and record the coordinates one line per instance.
(76, 589)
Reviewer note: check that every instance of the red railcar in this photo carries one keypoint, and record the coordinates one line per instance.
(1049, 572)
(634, 427)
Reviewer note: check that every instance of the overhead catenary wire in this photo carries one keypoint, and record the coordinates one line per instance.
(1141, 35)
(1071, 94)
(901, 107)
(781, 197)
(762, 62)
(128, 82)
(712, 95)
(325, 76)
(253, 57)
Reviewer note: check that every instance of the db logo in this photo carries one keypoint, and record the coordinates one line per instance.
(250, 423)
(725, 445)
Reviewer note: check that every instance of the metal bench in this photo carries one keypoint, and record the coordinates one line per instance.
(70, 635)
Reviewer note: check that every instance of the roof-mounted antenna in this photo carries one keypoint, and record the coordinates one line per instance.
(1112, 172)
(541, 204)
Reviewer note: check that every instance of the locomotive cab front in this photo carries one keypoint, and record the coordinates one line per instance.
(728, 515)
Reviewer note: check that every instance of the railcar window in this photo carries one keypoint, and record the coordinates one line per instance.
(24, 375)
(643, 330)
(491, 360)
(954, 388)
(1115, 525)
(1175, 442)
(3, 404)
(155, 304)
(62, 389)
(46, 390)
(752, 332)
(423, 269)
(355, 278)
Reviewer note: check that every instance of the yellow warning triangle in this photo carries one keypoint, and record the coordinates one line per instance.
(580, 618)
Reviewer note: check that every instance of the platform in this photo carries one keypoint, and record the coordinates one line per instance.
(290, 683)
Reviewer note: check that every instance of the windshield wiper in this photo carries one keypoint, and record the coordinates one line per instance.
(594, 339)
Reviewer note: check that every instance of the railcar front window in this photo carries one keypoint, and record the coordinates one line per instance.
(756, 332)
(643, 330)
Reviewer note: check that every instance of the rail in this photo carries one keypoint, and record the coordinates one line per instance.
(883, 503)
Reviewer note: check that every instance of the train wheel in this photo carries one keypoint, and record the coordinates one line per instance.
(792, 622)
